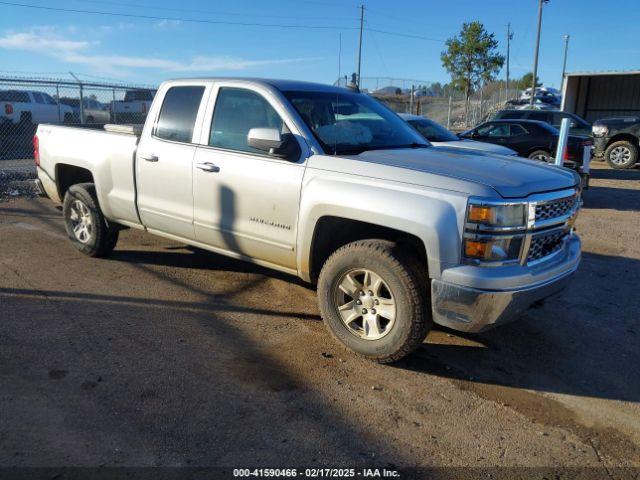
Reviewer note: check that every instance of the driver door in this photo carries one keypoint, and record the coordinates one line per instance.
(245, 200)
(497, 133)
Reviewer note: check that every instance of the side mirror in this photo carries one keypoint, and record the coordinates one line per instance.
(265, 139)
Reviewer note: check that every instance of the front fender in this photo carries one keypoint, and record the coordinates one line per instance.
(433, 216)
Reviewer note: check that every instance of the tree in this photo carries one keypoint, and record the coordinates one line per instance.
(471, 58)
(525, 81)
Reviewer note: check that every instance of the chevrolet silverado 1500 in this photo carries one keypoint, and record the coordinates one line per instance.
(329, 185)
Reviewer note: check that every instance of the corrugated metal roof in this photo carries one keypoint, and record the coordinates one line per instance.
(603, 72)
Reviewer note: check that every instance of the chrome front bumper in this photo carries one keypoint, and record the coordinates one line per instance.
(464, 305)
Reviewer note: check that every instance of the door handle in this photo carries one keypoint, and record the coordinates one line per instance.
(150, 158)
(208, 167)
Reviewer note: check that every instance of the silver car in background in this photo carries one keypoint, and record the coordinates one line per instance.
(439, 136)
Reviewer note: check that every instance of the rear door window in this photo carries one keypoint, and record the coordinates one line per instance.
(14, 96)
(178, 113)
(515, 130)
(38, 97)
(48, 99)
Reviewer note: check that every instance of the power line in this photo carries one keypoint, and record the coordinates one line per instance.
(214, 22)
(210, 12)
(406, 35)
(180, 19)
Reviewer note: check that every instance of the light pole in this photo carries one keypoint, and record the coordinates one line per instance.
(509, 38)
(564, 63)
(535, 57)
(360, 43)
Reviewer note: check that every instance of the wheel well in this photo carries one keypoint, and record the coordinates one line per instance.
(331, 233)
(623, 136)
(67, 175)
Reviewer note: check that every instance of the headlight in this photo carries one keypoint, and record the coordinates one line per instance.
(494, 232)
(495, 249)
(599, 130)
(508, 215)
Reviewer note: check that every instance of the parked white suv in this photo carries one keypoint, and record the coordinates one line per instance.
(29, 107)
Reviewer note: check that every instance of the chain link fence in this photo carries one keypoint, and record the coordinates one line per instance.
(27, 102)
(438, 102)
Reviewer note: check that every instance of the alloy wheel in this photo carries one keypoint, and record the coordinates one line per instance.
(81, 221)
(365, 304)
(620, 155)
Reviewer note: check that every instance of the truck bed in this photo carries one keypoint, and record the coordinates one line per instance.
(108, 153)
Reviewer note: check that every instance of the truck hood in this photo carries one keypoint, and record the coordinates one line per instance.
(474, 145)
(511, 177)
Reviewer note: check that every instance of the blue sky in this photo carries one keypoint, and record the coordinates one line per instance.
(603, 37)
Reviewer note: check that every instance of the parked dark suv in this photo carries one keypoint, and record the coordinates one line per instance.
(579, 126)
(616, 139)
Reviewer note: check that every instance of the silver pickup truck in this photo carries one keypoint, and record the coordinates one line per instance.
(329, 185)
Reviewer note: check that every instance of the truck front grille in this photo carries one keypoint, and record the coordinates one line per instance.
(543, 245)
(555, 208)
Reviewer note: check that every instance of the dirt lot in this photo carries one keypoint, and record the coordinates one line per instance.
(160, 355)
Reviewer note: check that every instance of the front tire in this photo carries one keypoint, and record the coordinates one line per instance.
(621, 155)
(374, 299)
(87, 228)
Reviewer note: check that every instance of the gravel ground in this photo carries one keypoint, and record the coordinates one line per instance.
(16, 178)
(165, 356)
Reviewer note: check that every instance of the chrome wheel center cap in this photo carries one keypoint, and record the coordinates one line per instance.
(367, 301)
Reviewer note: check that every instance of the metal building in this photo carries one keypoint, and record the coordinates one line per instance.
(594, 95)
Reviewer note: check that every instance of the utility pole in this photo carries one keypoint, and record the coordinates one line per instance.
(564, 63)
(535, 57)
(509, 38)
(360, 43)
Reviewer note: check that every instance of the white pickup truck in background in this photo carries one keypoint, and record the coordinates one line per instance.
(328, 185)
(134, 107)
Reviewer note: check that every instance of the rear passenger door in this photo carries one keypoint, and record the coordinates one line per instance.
(164, 173)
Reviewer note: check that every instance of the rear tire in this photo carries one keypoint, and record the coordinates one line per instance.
(621, 155)
(374, 299)
(541, 155)
(88, 229)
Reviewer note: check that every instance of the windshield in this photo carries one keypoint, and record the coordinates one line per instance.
(432, 131)
(351, 123)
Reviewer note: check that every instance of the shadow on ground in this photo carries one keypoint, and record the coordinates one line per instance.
(583, 342)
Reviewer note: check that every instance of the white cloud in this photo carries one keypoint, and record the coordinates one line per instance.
(166, 24)
(118, 26)
(47, 41)
(41, 42)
